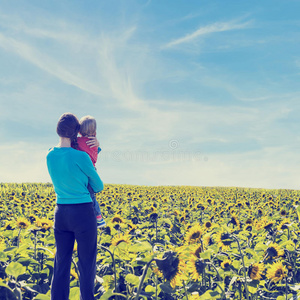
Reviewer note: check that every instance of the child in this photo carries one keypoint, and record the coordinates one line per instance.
(88, 128)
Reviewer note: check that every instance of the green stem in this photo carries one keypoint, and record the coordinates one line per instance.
(18, 240)
(286, 289)
(76, 267)
(187, 298)
(118, 294)
(223, 293)
(143, 278)
(244, 268)
(155, 287)
(210, 263)
(114, 266)
(35, 242)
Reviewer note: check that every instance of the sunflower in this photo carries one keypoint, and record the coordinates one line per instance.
(117, 219)
(224, 240)
(207, 239)
(32, 218)
(9, 226)
(194, 234)
(264, 223)
(44, 223)
(209, 201)
(22, 223)
(182, 219)
(171, 267)
(255, 271)
(153, 208)
(196, 267)
(249, 221)
(153, 217)
(248, 227)
(208, 225)
(273, 251)
(234, 220)
(131, 228)
(196, 250)
(277, 272)
(120, 238)
(283, 224)
(176, 212)
(226, 264)
(134, 220)
(283, 213)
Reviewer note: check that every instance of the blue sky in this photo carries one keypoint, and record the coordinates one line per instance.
(199, 92)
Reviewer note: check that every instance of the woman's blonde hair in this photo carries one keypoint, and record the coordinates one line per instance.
(88, 126)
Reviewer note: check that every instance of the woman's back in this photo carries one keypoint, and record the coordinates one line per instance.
(71, 171)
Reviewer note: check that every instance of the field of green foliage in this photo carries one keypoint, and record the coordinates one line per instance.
(160, 242)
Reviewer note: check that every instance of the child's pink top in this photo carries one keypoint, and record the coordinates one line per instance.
(82, 146)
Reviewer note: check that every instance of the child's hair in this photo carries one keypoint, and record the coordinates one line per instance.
(88, 126)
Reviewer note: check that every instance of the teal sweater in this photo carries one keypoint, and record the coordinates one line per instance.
(71, 171)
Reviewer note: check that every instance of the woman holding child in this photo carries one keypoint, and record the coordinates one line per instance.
(71, 172)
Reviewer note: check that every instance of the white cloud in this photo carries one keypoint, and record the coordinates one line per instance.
(206, 30)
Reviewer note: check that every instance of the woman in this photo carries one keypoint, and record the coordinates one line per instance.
(74, 219)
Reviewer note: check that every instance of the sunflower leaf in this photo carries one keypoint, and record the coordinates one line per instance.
(15, 269)
(208, 295)
(206, 254)
(75, 293)
(252, 289)
(150, 289)
(140, 247)
(166, 288)
(298, 211)
(132, 279)
(42, 297)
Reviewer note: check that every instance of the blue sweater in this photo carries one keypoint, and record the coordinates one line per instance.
(71, 171)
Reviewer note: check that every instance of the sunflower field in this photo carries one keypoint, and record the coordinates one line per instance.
(163, 242)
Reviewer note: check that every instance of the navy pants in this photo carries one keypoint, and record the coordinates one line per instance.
(74, 222)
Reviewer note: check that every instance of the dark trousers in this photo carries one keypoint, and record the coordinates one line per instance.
(74, 222)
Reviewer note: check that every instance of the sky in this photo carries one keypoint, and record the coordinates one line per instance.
(197, 93)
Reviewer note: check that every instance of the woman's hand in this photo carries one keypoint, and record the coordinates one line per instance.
(92, 142)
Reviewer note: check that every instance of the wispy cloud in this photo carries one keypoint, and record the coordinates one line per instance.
(46, 63)
(206, 30)
(111, 57)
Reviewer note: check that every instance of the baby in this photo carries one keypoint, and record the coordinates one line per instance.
(88, 128)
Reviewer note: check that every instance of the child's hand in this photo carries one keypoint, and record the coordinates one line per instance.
(92, 142)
